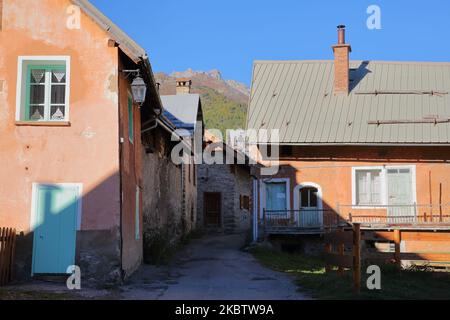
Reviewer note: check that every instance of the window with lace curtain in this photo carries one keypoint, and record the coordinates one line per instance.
(43, 89)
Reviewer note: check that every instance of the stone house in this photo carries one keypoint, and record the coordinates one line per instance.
(224, 190)
(170, 197)
(70, 124)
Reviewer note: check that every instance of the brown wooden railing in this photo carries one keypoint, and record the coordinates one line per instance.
(343, 249)
(7, 247)
(392, 215)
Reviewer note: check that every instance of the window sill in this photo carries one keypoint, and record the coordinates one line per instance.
(43, 123)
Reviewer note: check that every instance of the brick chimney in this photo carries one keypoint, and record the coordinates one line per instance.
(183, 85)
(341, 63)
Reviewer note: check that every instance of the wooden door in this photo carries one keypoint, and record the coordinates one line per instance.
(310, 213)
(55, 232)
(212, 208)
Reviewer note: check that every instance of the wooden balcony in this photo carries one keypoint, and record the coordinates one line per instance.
(415, 216)
(315, 221)
(303, 221)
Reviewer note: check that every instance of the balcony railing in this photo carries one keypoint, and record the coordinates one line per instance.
(381, 216)
(398, 215)
(306, 218)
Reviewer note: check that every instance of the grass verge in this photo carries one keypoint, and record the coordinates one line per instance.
(13, 294)
(312, 278)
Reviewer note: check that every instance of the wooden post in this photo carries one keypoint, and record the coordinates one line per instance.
(341, 248)
(328, 250)
(357, 257)
(440, 203)
(397, 242)
(431, 194)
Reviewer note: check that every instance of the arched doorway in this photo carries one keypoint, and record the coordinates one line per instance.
(308, 205)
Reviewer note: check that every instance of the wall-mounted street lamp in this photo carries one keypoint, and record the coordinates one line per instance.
(139, 90)
(138, 87)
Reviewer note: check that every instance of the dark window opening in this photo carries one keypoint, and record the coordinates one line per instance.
(308, 197)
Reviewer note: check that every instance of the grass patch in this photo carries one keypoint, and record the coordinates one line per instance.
(312, 278)
(7, 294)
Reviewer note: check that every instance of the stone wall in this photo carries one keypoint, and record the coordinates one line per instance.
(231, 181)
(169, 196)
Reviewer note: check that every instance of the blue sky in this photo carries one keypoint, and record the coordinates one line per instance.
(229, 35)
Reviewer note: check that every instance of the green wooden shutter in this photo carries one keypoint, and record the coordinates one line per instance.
(137, 216)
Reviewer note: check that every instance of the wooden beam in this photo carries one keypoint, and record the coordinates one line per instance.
(397, 241)
(438, 257)
(328, 249)
(341, 248)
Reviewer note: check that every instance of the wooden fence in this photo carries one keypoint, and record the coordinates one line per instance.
(344, 249)
(7, 247)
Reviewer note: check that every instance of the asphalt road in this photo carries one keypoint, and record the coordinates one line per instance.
(213, 267)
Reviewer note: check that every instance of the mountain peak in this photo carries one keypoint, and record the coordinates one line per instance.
(224, 102)
(189, 73)
(232, 89)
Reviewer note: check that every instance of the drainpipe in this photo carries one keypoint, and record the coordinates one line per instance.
(150, 128)
(255, 210)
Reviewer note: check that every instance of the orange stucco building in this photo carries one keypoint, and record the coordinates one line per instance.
(70, 139)
(350, 141)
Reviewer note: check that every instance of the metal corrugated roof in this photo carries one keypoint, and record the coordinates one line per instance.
(297, 98)
(182, 110)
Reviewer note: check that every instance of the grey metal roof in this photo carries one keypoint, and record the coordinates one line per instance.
(296, 97)
(182, 110)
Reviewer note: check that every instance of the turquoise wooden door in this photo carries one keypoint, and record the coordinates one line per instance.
(55, 229)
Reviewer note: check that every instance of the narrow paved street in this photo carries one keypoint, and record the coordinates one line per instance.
(209, 268)
(212, 267)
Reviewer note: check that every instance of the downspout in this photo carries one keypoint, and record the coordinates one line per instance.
(255, 210)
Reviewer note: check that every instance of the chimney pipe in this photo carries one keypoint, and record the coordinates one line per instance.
(341, 63)
(183, 85)
(341, 34)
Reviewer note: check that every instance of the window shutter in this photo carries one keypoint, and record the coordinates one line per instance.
(137, 215)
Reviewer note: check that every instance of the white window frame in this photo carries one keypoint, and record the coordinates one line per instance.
(23, 62)
(263, 182)
(383, 183)
(299, 187)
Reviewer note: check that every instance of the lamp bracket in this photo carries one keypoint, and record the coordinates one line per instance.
(129, 72)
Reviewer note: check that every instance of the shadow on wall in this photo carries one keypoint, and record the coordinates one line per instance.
(57, 241)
